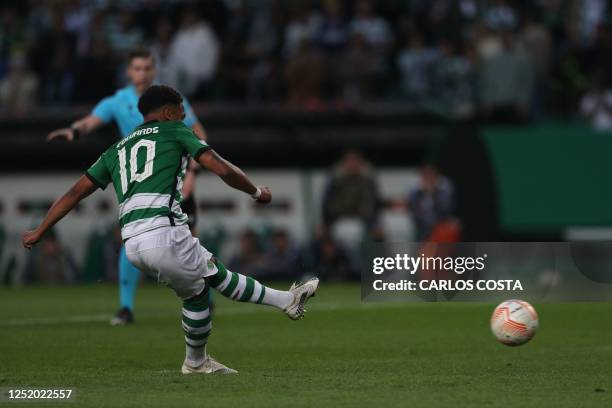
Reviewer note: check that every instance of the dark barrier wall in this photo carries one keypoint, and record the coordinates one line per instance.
(262, 137)
(465, 159)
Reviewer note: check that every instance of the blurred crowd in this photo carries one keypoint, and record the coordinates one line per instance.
(496, 59)
(350, 218)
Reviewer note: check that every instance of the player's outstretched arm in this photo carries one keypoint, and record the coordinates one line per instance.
(233, 176)
(80, 127)
(199, 131)
(81, 189)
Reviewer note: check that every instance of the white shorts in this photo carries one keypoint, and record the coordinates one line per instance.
(174, 256)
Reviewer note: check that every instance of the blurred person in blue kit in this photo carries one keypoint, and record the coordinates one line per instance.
(432, 206)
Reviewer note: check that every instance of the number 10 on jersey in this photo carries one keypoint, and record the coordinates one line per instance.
(135, 176)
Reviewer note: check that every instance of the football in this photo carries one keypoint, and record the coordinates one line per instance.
(514, 322)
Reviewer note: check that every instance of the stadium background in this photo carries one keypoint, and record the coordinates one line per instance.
(497, 95)
(505, 107)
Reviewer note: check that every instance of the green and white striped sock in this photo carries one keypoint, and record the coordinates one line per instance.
(197, 325)
(246, 289)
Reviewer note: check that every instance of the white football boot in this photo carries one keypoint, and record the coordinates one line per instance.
(210, 366)
(301, 292)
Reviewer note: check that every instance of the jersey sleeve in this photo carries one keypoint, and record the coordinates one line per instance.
(190, 142)
(104, 110)
(190, 117)
(99, 174)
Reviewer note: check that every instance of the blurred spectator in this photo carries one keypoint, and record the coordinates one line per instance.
(78, 19)
(160, 49)
(213, 237)
(12, 33)
(305, 73)
(332, 33)
(538, 44)
(488, 43)
(374, 29)
(592, 14)
(378, 41)
(351, 194)
(315, 52)
(51, 263)
(302, 27)
(194, 53)
(264, 34)
(414, 62)
(95, 76)
(123, 35)
(331, 261)
(18, 88)
(596, 105)
(53, 58)
(500, 16)
(358, 68)
(263, 44)
(598, 54)
(454, 79)
(432, 204)
(102, 253)
(506, 82)
(249, 257)
(281, 258)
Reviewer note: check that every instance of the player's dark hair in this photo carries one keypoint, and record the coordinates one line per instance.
(139, 53)
(157, 97)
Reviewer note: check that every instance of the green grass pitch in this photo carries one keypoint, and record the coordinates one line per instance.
(343, 354)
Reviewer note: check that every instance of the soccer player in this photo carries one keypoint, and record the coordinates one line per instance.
(146, 170)
(122, 108)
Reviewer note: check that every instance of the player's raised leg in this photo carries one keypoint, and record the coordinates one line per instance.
(246, 289)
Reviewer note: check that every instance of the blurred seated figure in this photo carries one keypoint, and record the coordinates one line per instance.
(249, 257)
(102, 253)
(51, 264)
(281, 259)
(596, 105)
(330, 261)
(213, 238)
(432, 205)
(351, 201)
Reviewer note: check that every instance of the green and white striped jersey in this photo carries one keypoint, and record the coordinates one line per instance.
(147, 170)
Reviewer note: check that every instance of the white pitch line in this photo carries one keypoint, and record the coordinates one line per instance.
(55, 320)
(223, 312)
